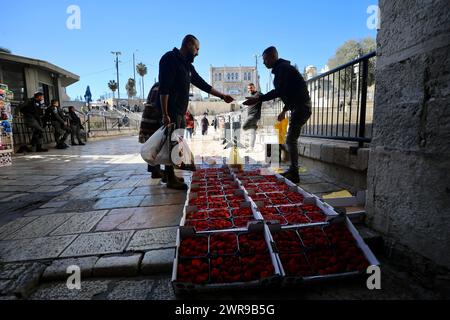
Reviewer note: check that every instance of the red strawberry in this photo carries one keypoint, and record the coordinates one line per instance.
(242, 222)
(195, 246)
(223, 243)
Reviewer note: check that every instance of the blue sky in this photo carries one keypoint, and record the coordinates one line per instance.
(231, 32)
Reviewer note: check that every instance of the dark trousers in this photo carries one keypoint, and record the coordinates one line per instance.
(37, 138)
(75, 133)
(298, 119)
(180, 123)
(61, 133)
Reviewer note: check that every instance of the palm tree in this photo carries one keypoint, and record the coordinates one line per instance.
(131, 89)
(142, 71)
(112, 84)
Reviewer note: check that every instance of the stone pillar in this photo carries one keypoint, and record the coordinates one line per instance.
(409, 166)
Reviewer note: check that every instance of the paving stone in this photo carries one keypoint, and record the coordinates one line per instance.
(153, 239)
(98, 243)
(163, 199)
(118, 202)
(158, 261)
(149, 182)
(54, 204)
(115, 193)
(41, 212)
(27, 281)
(162, 290)
(79, 205)
(33, 249)
(58, 269)
(79, 223)
(40, 227)
(14, 197)
(131, 290)
(154, 190)
(129, 183)
(10, 188)
(48, 189)
(15, 225)
(141, 218)
(59, 291)
(123, 265)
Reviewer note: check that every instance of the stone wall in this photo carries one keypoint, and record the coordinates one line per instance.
(409, 166)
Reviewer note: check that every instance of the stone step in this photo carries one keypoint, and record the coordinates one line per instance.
(373, 239)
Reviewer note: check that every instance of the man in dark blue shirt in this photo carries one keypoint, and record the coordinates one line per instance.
(292, 89)
(176, 73)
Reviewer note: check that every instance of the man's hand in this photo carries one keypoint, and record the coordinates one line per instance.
(281, 116)
(251, 101)
(227, 98)
(166, 120)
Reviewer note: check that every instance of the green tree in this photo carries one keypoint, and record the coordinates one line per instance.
(112, 84)
(350, 51)
(142, 71)
(5, 50)
(131, 89)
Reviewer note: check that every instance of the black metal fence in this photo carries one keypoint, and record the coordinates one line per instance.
(342, 102)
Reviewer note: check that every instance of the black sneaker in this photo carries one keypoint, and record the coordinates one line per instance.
(74, 144)
(292, 175)
(81, 144)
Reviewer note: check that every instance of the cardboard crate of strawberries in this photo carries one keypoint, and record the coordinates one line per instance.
(224, 260)
(216, 201)
(317, 253)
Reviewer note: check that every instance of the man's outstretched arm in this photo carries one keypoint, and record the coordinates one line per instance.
(202, 85)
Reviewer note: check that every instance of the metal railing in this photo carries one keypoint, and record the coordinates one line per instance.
(91, 123)
(342, 102)
(104, 123)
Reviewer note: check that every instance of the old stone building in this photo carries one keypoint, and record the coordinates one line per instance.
(233, 80)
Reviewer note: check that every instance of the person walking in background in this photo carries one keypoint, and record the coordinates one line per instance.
(254, 115)
(190, 125)
(205, 124)
(75, 127)
(293, 91)
(176, 73)
(33, 111)
(150, 123)
(58, 119)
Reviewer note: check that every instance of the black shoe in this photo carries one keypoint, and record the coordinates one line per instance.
(177, 185)
(164, 179)
(292, 175)
(158, 174)
(41, 150)
(61, 147)
(74, 144)
(81, 144)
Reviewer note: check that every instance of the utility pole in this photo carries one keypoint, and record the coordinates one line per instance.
(117, 54)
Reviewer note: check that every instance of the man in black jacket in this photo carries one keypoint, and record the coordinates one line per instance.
(56, 116)
(291, 88)
(176, 73)
(33, 111)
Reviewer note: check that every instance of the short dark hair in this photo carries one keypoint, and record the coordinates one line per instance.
(53, 101)
(38, 94)
(251, 84)
(270, 50)
(70, 107)
(188, 39)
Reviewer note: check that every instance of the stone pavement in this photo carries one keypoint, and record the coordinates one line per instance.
(97, 208)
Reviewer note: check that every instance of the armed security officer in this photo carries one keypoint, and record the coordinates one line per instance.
(291, 88)
(56, 116)
(33, 111)
(176, 73)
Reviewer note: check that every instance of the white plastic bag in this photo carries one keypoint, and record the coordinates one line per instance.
(156, 150)
(168, 147)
